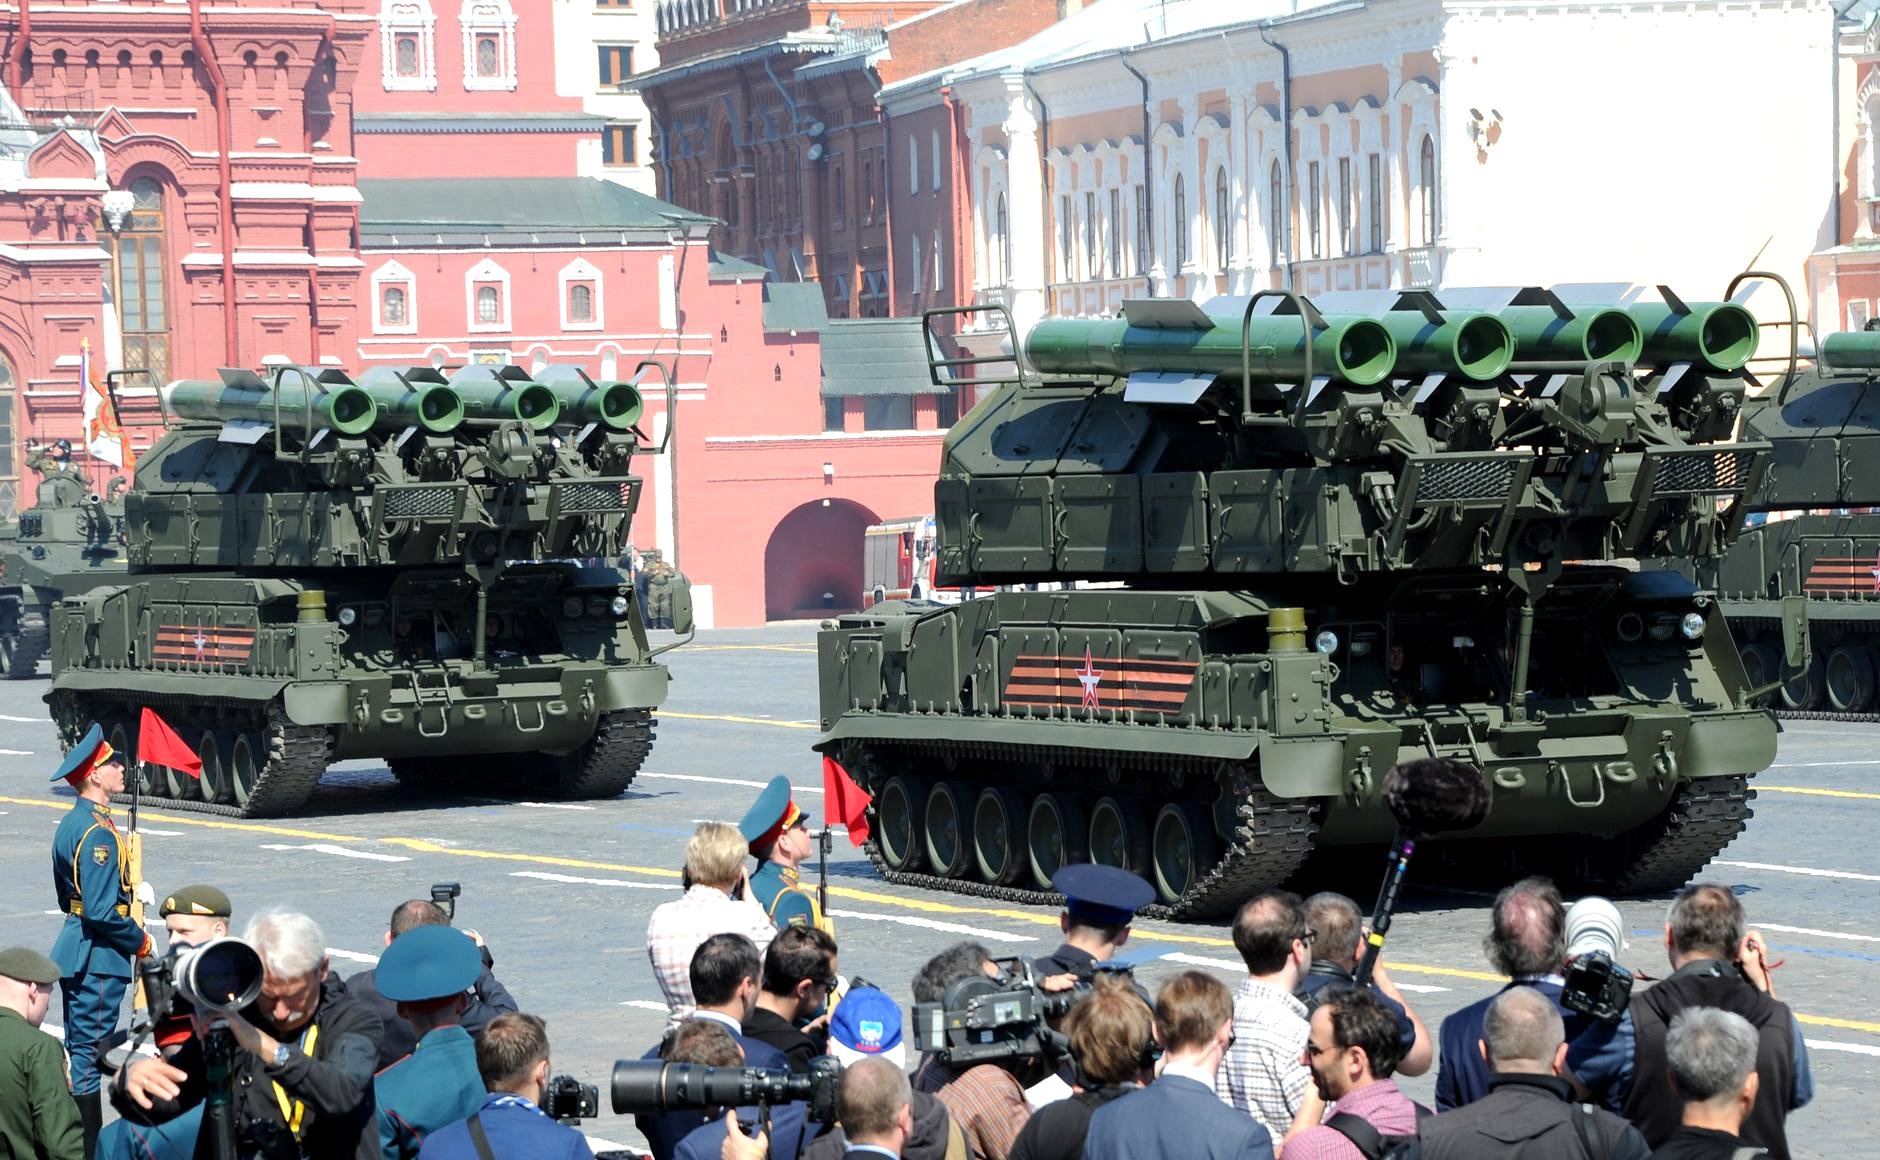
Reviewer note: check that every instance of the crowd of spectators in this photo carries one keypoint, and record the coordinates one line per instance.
(1295, 1059)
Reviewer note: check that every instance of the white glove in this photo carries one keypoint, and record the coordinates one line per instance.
(146, 895)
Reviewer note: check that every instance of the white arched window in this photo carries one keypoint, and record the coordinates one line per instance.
(913, 165)
(1426, 191)
(392, 307)
(489, 45)
(580, 296)
(408, 47)
(936, 161)
(1275, 211)
(394, 291)
(1179, 222)
(1223, 223)
(489, 304)
(486, 287)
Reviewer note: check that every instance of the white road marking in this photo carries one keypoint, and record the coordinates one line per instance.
(647, 1005)
(1820, 764)
(934, 924)
(341, 851)
(553, 806)
(573, 880)
(160, 833)
(26, 720)
(1232, 965)
(1832, 1045)
(595, 1143)
(1809, 930)
(1807, 870)
(60, 913)
(16, 753)
(726, 781)
(351, 956)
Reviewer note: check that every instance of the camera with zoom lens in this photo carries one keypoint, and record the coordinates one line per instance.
(1597, 987)
(223, 974)
(570, 1099)
(653, 1085)
(983, 1020)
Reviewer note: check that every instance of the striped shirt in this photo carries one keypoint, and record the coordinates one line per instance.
(1262, 1074)
(678, 928)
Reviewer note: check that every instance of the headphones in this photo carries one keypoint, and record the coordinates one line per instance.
(1147, 1055)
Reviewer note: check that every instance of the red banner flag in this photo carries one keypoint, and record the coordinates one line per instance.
(844, 801)
(158, 744)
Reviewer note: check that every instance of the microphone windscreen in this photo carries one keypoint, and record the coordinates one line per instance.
(1434, 795)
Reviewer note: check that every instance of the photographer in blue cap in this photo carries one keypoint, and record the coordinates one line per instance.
(428, 973)
(1099, 904)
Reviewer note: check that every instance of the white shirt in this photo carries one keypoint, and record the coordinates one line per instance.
(1190, 1071)
(678, 928)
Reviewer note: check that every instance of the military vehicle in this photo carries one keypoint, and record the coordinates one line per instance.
(69, 541)
(322, 569)
(1300, 547)
(1813, 534)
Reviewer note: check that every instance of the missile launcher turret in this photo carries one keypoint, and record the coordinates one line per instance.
(415, 567)
(1284, 547)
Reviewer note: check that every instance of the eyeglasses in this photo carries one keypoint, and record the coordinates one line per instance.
(1307, 936)
(828, 985)
(1313, 1050)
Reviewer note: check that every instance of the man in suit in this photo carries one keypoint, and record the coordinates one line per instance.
(512, 1057)
(1180, 1116)
(428, 974)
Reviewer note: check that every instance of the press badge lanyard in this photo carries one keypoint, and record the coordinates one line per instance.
(293, 1110)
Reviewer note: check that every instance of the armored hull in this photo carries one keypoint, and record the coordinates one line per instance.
(1267, 600)
(299, 598)
(69, 542)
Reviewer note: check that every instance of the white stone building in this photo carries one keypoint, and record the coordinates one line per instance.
(620, 39)
(1340, 145)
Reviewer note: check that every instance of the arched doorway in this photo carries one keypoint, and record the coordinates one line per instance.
(816, 549)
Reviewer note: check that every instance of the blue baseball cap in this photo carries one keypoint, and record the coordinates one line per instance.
(867, 1025)
(430, 962)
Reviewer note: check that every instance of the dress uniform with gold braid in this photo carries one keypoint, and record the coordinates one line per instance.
(779, 888)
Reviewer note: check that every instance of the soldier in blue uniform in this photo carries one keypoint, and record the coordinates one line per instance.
(1099, 904)
(778, 832)
(428, 972)
(96, 945)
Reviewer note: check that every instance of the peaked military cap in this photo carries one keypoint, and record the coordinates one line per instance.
(1101, 895)
(28, 966)
(429, 962)
(771, 815)
(202, 901)
(91, 751)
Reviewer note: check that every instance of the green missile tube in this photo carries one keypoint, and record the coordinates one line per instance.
(1719, 335)
(1475, 346)
(1593, 333)
(530, 403)
(1857, 350)
(1358, 350)
(345, 409)
(433, 406)
(615, 406)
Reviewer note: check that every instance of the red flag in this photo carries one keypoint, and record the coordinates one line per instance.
(844, 801)
(158, 744)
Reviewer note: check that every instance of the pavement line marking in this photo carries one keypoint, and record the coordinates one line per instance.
(208, 823)
(1844, 1024)
(1835, 1045)
(572, 880)
(351, 956)
(552, 805)
(16, 753)
(160, 833)
(424, 847)
(1809, 930)
(934, 924)
(786, 648)
(724, 781)
(26, 720)
(1807, 870)
(737, 720)
(342, 851)
(647, 1005)
(1812, 792)
(1823, 764)
(596, 1144)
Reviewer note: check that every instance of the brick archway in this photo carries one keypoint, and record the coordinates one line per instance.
(813, 561)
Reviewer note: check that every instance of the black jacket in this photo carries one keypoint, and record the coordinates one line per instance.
(928, 1141)
(333, 1085)
(1057, 1130)
(1529, 1117)
(772, 1028)
(490, 1000)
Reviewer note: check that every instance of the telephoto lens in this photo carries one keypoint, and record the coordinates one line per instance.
(652, 1085)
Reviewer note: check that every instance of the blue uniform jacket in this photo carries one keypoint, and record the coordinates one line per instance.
(88, 869)
(781, 894)
(515, 1127)
(437, 1084)
(1175, 1117)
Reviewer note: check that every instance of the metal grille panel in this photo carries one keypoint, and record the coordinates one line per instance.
(1463, 480)
(581, 498)
(1702, 472)
(420, 503)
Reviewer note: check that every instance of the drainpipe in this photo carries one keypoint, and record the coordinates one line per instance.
(1285, 152)
(1044, 177)
(206, 55)
(16, 52)
(887, 192)
(1147, 234)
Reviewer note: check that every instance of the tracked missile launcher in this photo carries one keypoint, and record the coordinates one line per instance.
(397, 568)
(70, 541)
(1285, 548)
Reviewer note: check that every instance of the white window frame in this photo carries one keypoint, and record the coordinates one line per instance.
(405, 17)
(479, 274)
(939, 262)
(913, 165)
(394, 274)
(581, 271)
(483, 17)
(936, 161)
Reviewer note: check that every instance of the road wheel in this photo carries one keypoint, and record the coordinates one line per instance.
(1849, 678)
(1118, 834)
(996, 821)
(1809, 689)
(215, 771)
(1185, 848)
(1057, 836)
(900, 820)
(1761, 665)
(945, 829)
(244, 767)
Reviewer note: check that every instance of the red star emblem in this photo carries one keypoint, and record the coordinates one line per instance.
(201, 642)
(1089, 678)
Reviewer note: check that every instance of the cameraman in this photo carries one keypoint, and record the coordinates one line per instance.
(1113, 1053)
(487, 1000)
(1716, 962)
(987, 1100)
(512, 1057)
(1338, 931)
(303, 1074)
(792, 1013)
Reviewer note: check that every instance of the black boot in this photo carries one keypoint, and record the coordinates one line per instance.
(91, 1116)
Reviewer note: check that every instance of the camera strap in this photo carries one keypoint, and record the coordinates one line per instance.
(480, 1138)
(295, 1111)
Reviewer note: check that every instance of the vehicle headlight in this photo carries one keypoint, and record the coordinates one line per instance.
(619, 606)
(1692, 626)
(1326, 642)
(572, 606)
(348, 617)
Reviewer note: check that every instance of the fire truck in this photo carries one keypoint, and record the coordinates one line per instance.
(898, 562)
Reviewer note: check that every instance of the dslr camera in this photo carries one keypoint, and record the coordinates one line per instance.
(223, 974)
(985, 1020)
(653, 1085)
(1597, 987)
(570, 1099)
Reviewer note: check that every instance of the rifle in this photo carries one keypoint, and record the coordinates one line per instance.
(823, 843)
(134, 870)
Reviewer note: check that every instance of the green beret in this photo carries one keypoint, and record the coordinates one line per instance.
(28, 966)
(201, 901)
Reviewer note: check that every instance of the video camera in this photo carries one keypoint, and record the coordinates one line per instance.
(1597, 987)
(984, 1020)
(656, 1086)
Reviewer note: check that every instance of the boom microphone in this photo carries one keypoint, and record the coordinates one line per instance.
(1431, 795)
